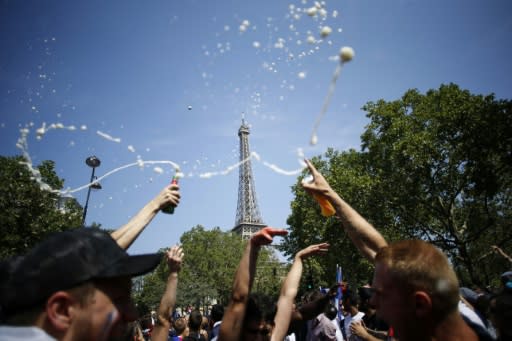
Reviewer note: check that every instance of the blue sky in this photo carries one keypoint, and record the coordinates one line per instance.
(132, 69)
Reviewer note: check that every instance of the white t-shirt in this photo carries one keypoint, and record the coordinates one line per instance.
(8, 333)
(348, 321)
(339, 334)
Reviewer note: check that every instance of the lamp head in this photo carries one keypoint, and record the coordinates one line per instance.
(93, 161)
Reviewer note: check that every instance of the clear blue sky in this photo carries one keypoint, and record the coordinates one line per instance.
(131, 69)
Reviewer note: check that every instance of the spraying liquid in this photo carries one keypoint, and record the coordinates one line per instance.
(169, 209)
(326, 207)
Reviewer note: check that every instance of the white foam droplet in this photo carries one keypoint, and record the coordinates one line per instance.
(326, 30)
(346, 54)
(314, 140)
(311, 11)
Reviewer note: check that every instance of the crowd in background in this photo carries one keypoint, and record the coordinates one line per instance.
(76, 285)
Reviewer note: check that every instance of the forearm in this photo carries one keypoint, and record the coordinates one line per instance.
(364, 236)
(289, 291)
(167, 303)
(377, 335)
(126, 234)
(244, 275)
(312, 309)
(370, 337)
(232, 322)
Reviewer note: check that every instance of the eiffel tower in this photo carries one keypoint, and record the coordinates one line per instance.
(248, 219)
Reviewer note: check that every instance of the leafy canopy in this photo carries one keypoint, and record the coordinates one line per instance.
(28, 213)
(435, 166)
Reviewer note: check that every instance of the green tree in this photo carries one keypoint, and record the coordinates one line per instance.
(444, 163)
(346, 172)
(211, 259)
(435, 166)
(27, 212)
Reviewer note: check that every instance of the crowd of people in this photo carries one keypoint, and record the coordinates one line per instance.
(76, 285)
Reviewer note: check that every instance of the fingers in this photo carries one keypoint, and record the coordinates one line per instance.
(265, 235)
(311, 168)
(315, 249)
(323, 246)
(274, 232)
(172, 188)
(173, 194)
(176, 252)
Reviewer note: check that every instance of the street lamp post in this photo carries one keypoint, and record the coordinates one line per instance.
(93, 162)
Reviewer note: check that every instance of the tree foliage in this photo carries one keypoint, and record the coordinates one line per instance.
(435, 166)
(28, 213)
(346, 173)
(210, 262)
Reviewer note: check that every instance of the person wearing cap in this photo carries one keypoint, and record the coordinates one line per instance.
(415, 288)
(75, 285)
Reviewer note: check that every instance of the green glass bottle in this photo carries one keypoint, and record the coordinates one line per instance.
(169, 209)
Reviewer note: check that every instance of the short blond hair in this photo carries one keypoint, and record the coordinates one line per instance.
(416, 265)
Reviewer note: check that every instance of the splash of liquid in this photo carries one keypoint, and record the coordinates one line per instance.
(22, 144)
(346, 55)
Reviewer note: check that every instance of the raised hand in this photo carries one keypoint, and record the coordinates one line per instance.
(314, 249)
(170, 195)
(174, 258)
(318, 184)
(265, 235)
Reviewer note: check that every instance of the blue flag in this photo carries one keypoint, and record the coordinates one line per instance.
(339, 294)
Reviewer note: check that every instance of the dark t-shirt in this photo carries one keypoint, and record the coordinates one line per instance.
(374, 323)
(192, 336)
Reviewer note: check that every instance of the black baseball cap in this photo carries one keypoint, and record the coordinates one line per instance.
(65, 260)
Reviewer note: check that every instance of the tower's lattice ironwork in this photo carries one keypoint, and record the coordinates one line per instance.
(248, 219)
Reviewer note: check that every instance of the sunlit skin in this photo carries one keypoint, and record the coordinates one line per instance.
(255, 330)
(389, 299)
(107, 312)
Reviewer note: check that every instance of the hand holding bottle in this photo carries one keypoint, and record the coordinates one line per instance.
(317, 186)
(169, 209)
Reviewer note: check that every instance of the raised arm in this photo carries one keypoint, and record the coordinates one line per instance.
(364, 236)
(126, 234)
(168, 301)
(232, 322)
(290, 288)
(501, 252)
(312, 309)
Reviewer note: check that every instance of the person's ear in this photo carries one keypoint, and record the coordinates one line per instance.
(60, 310)
(422, 303)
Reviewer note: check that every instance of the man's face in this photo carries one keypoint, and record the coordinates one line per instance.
(108, 311)
(345, 305)
(255, 330)
(392, 305)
